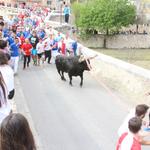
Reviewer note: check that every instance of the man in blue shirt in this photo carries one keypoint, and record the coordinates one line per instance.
(14, 47)
(66, 13)
(74, 48)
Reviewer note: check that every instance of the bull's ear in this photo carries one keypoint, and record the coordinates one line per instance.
(81, 58)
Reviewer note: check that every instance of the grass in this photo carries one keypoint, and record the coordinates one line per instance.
(140, 57)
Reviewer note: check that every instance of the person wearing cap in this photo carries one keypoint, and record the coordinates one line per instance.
(8, 74)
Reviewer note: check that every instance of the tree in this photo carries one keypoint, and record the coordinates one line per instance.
(106, 16)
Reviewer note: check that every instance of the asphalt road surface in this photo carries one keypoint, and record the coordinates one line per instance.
(69, 118)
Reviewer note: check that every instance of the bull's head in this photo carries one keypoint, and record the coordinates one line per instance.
(85, 63)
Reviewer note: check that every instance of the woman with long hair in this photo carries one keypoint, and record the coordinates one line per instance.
(15, 134)
(5, 107)
(4, 48)
(8, 75)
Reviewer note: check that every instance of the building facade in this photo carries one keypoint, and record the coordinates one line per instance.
(41, 2)
(143, 10)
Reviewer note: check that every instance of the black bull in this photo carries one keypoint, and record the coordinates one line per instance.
(71, 65)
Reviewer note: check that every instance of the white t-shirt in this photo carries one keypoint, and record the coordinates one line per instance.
(8, 76)
(127, 142)
(5, 106)
(40, 48)
(68, 44)
(47, 44)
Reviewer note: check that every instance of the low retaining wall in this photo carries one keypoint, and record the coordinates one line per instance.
(115, 42)
(129, 80)
(119, 41)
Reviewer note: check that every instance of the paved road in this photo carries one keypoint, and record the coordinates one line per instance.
(69, 118)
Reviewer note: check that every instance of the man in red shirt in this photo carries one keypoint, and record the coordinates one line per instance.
(63, 47)
(26, 47)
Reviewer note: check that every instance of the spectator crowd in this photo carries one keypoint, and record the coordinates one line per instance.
(26, 37)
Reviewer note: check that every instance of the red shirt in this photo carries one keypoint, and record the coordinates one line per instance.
(63, 48)
(27, 49)
(135, 145)
(22, 39)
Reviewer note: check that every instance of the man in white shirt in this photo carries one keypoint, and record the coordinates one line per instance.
(40, 51)
(48, 48)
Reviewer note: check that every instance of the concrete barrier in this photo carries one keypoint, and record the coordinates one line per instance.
(131, 81)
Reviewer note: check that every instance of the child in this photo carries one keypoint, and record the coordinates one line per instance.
(130, 140)
(34, 56)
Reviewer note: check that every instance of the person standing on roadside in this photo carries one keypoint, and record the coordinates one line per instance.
(16, 134)
(5, 107)
(8, 74)
(141, 111)
(130, 140)
(4, 48)
(66, 13)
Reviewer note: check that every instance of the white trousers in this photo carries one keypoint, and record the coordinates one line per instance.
(54, 54)
(14, 63)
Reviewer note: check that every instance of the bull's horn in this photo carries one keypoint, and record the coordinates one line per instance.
(92, 57)
(81, 58)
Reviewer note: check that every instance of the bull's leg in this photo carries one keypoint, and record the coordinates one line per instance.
(63, 77)
(81, 83)
(70, 77)
(60, 74)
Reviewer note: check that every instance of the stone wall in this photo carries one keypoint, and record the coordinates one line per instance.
(115, 42)
(119, 41)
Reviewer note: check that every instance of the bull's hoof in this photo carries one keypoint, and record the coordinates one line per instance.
(64, 79)
(70, 84)
(81, 85)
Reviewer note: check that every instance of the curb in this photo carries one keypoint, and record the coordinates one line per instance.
(19, 105)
